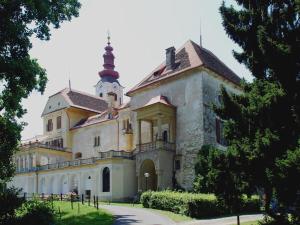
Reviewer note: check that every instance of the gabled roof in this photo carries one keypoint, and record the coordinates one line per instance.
(159, 99)
(188, 57)
(82, 100)
(99, 118)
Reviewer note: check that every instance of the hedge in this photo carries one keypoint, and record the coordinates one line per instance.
(193, 205)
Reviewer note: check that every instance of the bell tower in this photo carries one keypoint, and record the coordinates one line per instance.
(108, 88)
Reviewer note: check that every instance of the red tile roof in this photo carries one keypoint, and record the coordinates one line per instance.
(159, 99)
(83, 100)
(189, 56)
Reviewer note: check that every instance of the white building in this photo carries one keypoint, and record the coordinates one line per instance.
(97, 145)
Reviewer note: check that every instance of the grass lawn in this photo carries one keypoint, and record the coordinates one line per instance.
(173, 216)
(86, 215)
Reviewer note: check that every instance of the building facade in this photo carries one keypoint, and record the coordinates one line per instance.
(99, 145)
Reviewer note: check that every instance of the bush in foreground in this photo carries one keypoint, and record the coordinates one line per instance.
(35, 212)
(194, 205)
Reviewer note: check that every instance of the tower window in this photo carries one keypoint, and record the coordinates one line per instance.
(116, 98)
(97, 141)
(101, 95)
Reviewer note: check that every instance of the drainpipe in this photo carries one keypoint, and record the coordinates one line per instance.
(118, 136)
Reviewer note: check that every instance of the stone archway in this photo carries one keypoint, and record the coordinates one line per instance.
(149, 183)
(52, 185)
(64, 185)
(74, 184)
(43, 186)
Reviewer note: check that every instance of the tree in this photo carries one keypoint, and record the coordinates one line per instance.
(19, 73)
(262, 124)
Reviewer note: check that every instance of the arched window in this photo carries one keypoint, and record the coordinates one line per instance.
(106, 180)
(165, 136)
(78, 155)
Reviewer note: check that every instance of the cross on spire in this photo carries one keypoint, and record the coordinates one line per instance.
(108, 37)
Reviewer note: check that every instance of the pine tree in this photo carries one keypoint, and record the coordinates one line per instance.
(262, 124)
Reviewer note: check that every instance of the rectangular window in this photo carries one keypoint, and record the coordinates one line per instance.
(58, 122)
(177, 164)
(49, 125)
(97, 141)
(220, 132)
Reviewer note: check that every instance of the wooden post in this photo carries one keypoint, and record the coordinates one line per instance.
(61, 198)
(94, 198)
(52, 201)
(97, 203)
(72, 202)
(82, 199)
(78, 208)
(89, 200)
(24, 196)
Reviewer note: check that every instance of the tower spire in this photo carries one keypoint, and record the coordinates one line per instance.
(108, 37)
(109, 65)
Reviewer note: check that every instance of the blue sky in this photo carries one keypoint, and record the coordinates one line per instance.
(140, 30)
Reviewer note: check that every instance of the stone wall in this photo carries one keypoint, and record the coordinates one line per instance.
(186, 94)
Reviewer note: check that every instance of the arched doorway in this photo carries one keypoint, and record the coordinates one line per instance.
(148, 176)
(52, 185)
(106, 180)
(88, 186)
(74, 184)
(64, 184)
(43, 185)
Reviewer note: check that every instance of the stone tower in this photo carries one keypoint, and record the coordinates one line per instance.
(109, 88)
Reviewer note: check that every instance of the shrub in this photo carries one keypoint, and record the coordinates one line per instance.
(9, 202)
(36, 213)
(194, 205)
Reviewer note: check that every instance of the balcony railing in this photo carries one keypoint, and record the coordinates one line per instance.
(42, 145)
(155, 146)
(79, 162)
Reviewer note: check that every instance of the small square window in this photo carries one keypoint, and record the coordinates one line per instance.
(177, 164)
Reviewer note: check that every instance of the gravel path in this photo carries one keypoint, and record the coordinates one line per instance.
(225, 220)
(136, 216)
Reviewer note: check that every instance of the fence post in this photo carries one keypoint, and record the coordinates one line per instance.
(82, 199)
(78, 208)
(72, 202)
(94, 200)
(24, 196)
(61, 198)
(97, 203)
(89, 196)
(52, 200)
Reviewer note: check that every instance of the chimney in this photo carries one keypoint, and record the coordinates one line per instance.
(170, 58)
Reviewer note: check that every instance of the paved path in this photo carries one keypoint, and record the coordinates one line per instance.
(136, 216)
(225, 220)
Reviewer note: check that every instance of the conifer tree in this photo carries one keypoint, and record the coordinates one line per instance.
(262, 124)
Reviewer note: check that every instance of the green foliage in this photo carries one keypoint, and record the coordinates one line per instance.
(35, 212)
(8, 203)
(191, 204)
(262, 124)
(19, 74)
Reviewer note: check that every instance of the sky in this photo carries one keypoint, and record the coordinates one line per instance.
(140, 31)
